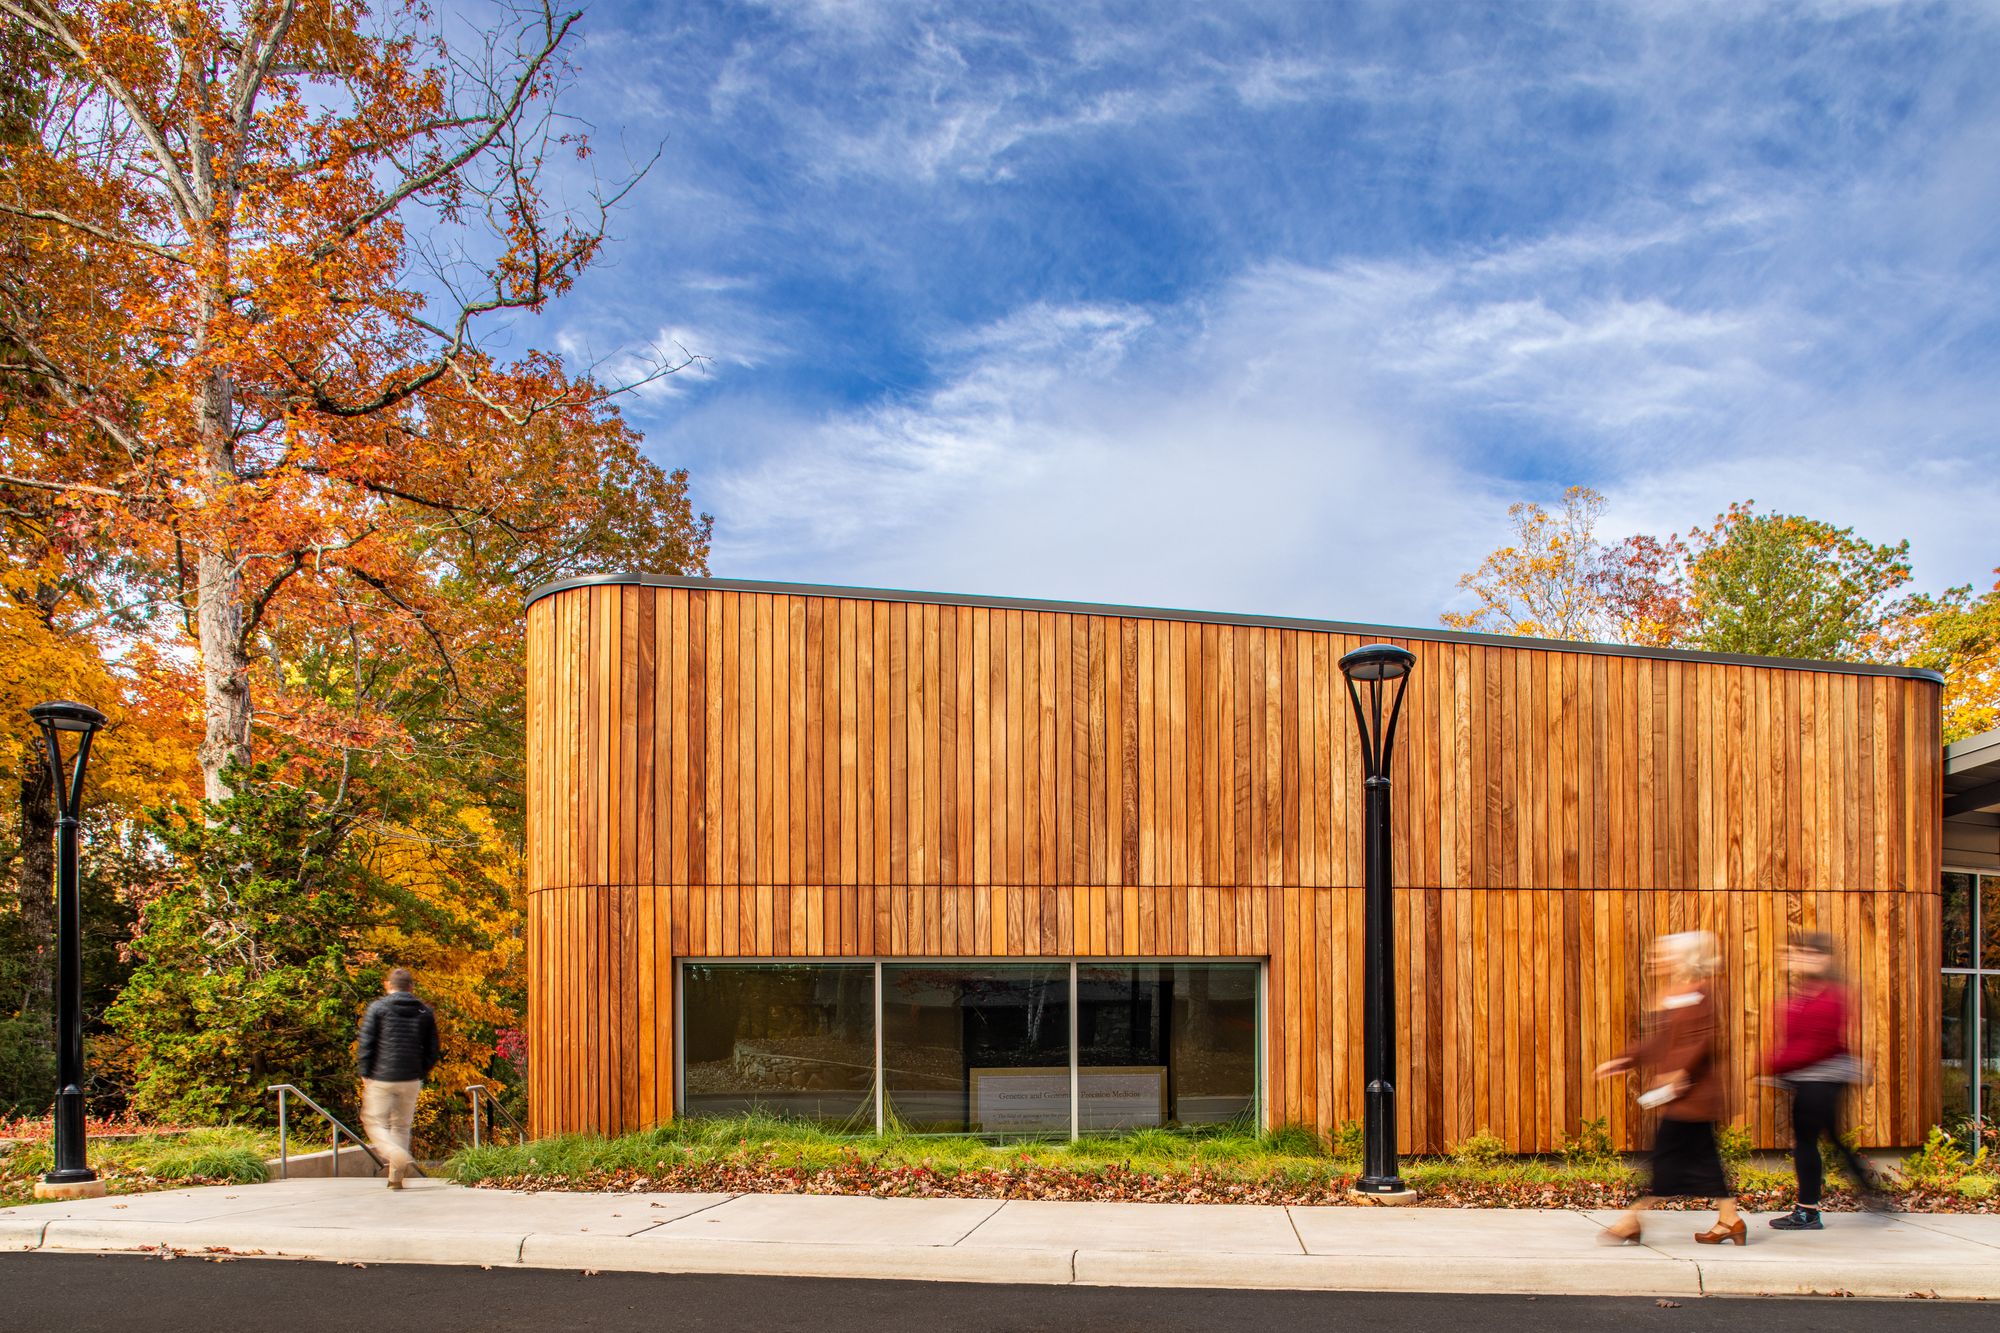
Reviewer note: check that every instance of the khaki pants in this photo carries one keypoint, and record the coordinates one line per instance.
(387, 1110)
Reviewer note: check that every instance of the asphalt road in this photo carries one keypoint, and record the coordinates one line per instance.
(74, 1292)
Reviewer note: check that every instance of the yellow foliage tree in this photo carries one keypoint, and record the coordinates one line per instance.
(1956, 634)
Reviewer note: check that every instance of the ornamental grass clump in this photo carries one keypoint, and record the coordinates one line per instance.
(135, 1162)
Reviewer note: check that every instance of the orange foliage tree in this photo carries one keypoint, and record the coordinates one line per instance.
(274, 232)
(251, 252)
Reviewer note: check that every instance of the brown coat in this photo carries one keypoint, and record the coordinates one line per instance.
(1683, 1040)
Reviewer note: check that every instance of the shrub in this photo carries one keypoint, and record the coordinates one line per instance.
(1734, 1143)
(243, 977)
(1301, 1141)
(1482, 1150)
(1976, 1188)
(1941, 1164)
(1347, 1140)
(1590, 1146)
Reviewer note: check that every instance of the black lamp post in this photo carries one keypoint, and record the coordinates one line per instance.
(57, 720)
(1377, 667)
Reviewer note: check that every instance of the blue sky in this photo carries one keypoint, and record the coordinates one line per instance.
(1278, 307)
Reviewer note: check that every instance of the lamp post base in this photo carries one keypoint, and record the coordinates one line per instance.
(69, 1189)
(1370, 1190)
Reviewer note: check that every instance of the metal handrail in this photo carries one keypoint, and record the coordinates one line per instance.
(478, 1090)
(284, 1143)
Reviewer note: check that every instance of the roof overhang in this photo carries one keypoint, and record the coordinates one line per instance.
(1972, 775)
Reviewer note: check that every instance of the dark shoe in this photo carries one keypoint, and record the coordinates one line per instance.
(1722, 1235)
(1799, 1219)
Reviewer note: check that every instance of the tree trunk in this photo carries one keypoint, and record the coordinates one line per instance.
(225, 670)
(225, 656)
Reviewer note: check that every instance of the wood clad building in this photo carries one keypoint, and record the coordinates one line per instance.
(728, 771)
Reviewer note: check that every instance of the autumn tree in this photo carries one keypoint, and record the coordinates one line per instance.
(63, 634)
(264, 240)
(1558, 580)
(1955, 633)
(252, 249)
(1782, 585)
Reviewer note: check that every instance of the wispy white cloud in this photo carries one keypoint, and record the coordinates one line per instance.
(1281, 306)
(1302, 440)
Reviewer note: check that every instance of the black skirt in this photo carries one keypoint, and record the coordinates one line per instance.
(1685, 1162)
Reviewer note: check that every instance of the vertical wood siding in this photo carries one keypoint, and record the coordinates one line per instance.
(732, 774)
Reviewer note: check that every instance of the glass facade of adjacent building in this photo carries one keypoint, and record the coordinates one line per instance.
(1971, 998)
(967, 1046)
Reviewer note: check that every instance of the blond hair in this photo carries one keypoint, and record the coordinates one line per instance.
(1694, 953)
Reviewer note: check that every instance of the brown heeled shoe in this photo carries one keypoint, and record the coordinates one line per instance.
(1613, 1236)
(1721, 1235)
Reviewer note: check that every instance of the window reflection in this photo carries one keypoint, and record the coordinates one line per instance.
(1162, 1044)
(980, 1049)
(795, 1040)
(1989, 1047)
(1989, 921)
(1959, 893)
(1956, 1011)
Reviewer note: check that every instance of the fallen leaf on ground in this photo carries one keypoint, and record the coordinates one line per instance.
(1666, 1304)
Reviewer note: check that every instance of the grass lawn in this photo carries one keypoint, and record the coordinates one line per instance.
(146, 1161)
(1289, 1165)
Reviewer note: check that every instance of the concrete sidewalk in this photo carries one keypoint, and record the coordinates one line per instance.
(976, 1240)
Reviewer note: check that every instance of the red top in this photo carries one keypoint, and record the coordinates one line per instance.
(1814, 1027)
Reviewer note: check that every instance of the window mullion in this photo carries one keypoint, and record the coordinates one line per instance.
(881, 1078)
(1075, 1116)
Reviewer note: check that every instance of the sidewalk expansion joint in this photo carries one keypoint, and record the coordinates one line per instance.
(1294, 1221)
(991, 1214)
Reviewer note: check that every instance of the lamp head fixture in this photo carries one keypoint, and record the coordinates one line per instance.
(1378, 661)
(65, 716)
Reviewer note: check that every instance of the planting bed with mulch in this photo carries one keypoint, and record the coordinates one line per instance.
(133, 1158)
(760, 1156)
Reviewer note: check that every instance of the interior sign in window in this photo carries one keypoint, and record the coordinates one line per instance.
(1037, 1099)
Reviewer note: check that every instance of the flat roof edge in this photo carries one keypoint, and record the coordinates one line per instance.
(1972, 752)
(1221, 618)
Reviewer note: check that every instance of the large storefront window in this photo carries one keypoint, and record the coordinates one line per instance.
(1165, 1043)
(984, 1049)
(975, 1047)
(793, 1040)
(1970, 997)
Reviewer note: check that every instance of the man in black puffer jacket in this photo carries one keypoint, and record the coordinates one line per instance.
(398, 1047)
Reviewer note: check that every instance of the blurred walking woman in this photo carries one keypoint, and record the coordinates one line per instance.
(1812, 1060)
(1678, 1062)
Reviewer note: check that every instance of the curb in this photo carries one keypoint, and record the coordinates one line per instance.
(1593, 1273)
(333, 1245)
(1571, 1276)
(908, 1263)
(1751, 1277)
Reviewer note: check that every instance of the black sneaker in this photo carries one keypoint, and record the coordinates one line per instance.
(1799, 1219)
